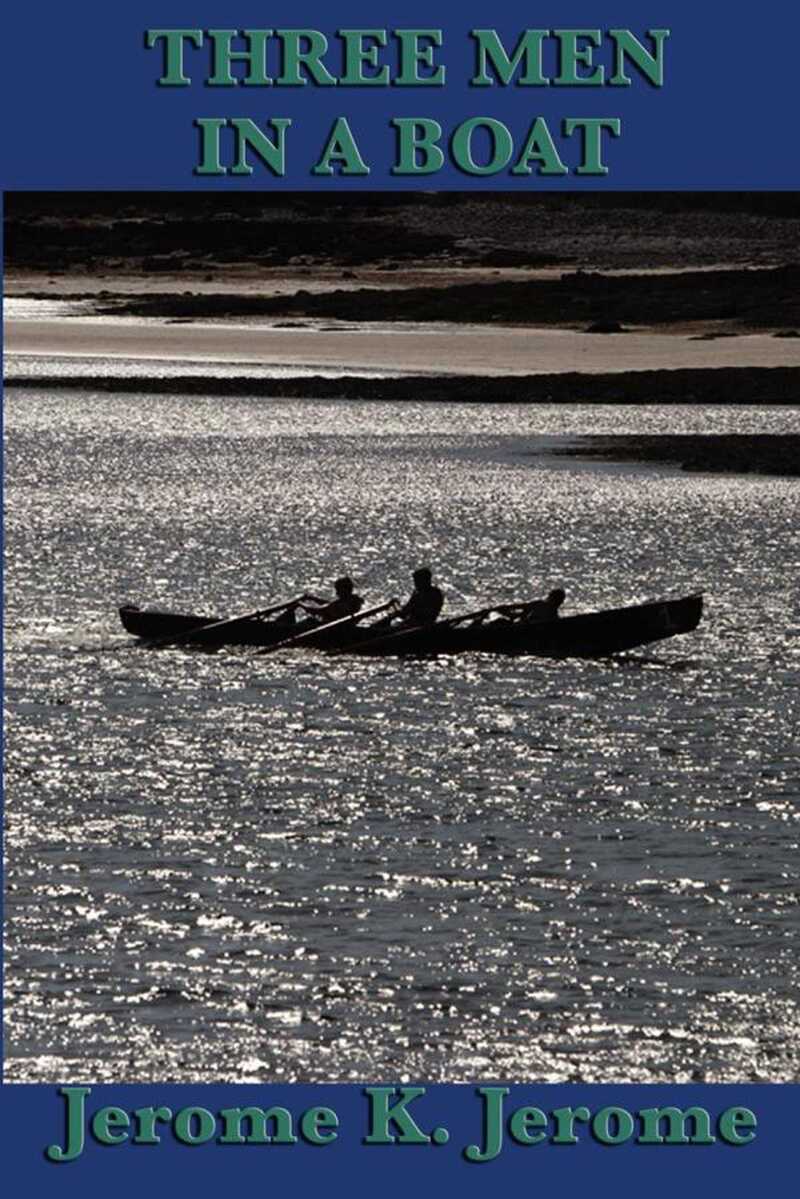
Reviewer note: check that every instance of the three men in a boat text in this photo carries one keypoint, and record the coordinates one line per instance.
(401, 58)
(401, 1116)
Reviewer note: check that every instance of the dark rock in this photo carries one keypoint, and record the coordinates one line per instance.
(605, 327)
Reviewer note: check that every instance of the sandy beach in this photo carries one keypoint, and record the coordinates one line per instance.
(414, 348)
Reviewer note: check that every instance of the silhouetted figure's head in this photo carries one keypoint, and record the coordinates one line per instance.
(557, 597)
(422, 577)
(343, 586)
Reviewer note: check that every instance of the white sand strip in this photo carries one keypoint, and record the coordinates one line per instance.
(440, 349)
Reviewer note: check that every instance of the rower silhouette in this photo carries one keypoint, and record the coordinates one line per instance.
(425, 602)
(421, 608)
(534, 611)
(347, 603)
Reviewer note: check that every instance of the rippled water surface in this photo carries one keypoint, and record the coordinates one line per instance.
(225, 867)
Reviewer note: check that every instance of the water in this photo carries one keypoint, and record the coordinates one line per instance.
(295, 867)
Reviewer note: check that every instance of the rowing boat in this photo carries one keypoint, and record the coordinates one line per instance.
(585, 635)
(193, 629)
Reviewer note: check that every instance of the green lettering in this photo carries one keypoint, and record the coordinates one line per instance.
(255, 57)
(173, 52)
(734, 1119)
(619, 1118)
(526, 1124)
(356, 54)
(284, 1132)
(565, 1118)
(492, 1126)
(194, 1126)
(74, 1117)
(650, 65)
(417, 136)
(413, 54)
(592, 127)
(490, 51)
(309, 59)
(105, 1120)
(146, 1119)
(314, 1121)
(653, 1119)
(501, 146)
(232, 1121)
(539, 147)
(271, 153)
(209, 163)
(341, 148)
(571, 54)
(382, 1114)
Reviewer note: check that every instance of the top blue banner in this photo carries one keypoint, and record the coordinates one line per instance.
(587, 96)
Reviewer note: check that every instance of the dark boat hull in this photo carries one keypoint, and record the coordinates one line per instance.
(156, 626)
(587, 635)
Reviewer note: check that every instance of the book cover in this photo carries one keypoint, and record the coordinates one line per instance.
(401, 546)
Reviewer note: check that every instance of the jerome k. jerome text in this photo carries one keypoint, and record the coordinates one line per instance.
(401, 1116)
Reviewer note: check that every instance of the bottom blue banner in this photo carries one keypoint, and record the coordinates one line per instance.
(386, 1138)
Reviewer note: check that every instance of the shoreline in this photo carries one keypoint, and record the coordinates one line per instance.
(732, 386)
(706, 303)
(715, 302)
(461, 299)
(722, 263)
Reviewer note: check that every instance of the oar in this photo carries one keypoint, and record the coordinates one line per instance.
(187, 634)
(454, 620)
(309, 634)
(390, 638)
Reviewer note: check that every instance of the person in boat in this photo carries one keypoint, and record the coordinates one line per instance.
(534, 611)
(423, 605)
(347, 603)
(421, 608)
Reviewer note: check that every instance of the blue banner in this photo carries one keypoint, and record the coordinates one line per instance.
(395, 1138)
(667, 97)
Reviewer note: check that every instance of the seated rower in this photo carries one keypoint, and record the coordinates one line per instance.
(425, 602)
(534, 611)
(347, 603)
(421, 608)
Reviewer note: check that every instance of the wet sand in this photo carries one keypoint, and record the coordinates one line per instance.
(415, 348)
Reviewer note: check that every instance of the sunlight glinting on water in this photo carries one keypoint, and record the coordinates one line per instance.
(307, 868)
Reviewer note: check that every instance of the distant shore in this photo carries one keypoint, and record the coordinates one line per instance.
(194, 233)
(462, 296)
(727, 386)
(707, 304)
(719, 302)
(705, 264)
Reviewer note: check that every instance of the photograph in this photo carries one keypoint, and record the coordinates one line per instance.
(402, 670)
